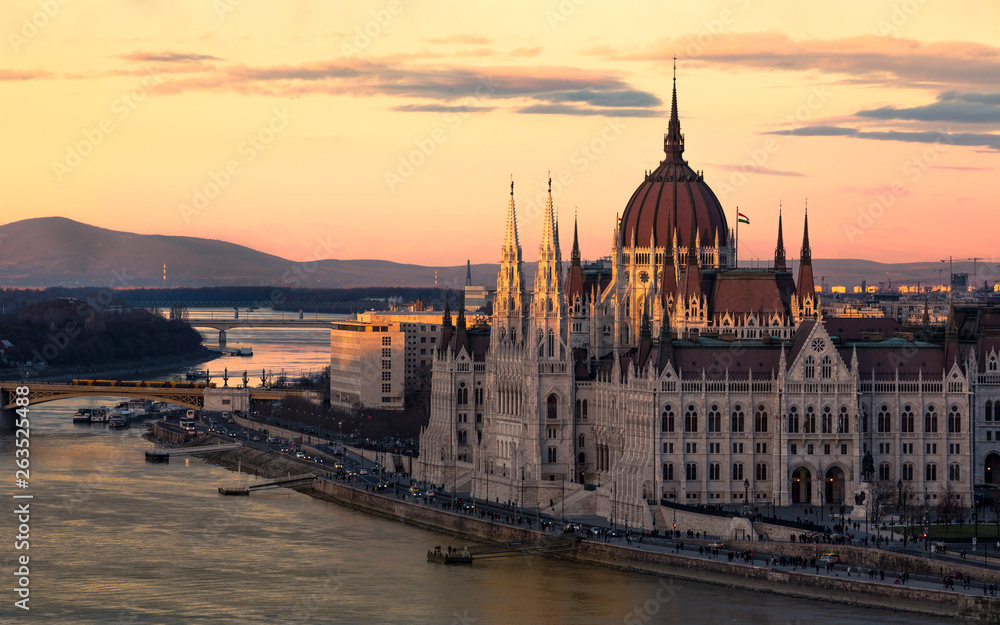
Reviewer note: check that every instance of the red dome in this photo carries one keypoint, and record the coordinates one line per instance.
(671, 196)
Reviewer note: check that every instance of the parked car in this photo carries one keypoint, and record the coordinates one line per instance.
(829, 558)
(571, 528)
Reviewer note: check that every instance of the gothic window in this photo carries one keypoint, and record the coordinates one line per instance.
(843, 421)
(992, 366)
(955, 472)
(714, 419)
(577, 409)
(691, 471)
(552, 406)
(826, 422)
(883, 471)
(810, 367)
(582, 440)
(989, 411)
(864, 419)
(793, 420)
(737, 471)
(906, 419)
(585, 409)
(463, 394)
(954, 420)
(583, 458)
(930, 472)
(908, 472)
(552, 454)
(691, 419)
(667, 419)
(760, 473)
(809, 421)
(668, 471)
(884, 420)
(714, 472)
(736, 419)
(826, 368)
(930, 419)
(760, 419)
(551, 344)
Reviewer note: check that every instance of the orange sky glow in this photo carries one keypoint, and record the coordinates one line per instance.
(392, 129)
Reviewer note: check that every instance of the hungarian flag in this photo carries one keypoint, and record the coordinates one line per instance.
(743, 219)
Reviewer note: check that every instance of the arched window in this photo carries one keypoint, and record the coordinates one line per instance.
(826, 422)
(884, 420)
(736, 420)
(585, 409)
(714, 472)
(843, 421)
(691, 419)
(810, 367)
(714, 419)
(552, 454)
(826, 367)
(864, 419)
(760, 472)
(930, 472)
(737, 471)
(908, 472)
(552, 339)
(989, 411)
(954, 420)
(760, 419)
(906, 419)
(552, 406)
(668, 471)
(691, 471)
(793, 420)
(955, 473)
(581, 441)
(809, 421)
(930, 419)
(667, 419)
(463, 394)
(883, 471)
(583, 458)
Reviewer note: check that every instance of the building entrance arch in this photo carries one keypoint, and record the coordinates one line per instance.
(990, 468)
(834, 483)
(801, 486)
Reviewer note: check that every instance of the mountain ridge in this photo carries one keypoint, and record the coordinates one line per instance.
(58, 251)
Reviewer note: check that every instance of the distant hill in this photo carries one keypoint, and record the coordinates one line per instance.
(54, 251)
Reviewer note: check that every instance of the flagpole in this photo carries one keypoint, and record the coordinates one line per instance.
(736, 252)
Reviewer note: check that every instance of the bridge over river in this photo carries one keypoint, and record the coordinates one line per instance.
(198, 396)
(228, 324)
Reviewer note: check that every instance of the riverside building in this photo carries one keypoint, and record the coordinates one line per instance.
(670, 373)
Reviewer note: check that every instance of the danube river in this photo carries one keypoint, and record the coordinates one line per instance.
(117, 540)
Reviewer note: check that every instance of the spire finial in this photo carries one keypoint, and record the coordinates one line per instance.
(673, 141)
(550, 181)
(512, 185)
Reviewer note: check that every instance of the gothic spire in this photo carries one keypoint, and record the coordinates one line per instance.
(806, 252)
(575, 254)
(779, 250)
(461, 311)
(446, 319)
(645, 331)
(510, 239)
(673, 141)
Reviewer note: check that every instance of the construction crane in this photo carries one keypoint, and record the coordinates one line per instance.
(974, 261)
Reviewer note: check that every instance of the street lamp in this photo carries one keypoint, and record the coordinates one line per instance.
(746, 492)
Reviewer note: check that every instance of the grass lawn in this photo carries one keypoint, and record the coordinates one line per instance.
(968, 530)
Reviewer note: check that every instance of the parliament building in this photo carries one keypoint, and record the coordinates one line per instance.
(671, 374)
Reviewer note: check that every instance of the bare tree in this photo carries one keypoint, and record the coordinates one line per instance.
(949, 506)
(879, 501)
(178, 312)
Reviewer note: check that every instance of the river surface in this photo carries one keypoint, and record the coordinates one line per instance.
(117, 540)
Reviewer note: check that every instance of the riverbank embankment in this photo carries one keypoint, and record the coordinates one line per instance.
(636, 558)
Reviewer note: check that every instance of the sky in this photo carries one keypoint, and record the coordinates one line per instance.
(315, 129)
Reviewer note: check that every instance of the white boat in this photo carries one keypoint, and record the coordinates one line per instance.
(90, 415)
(119, 419)
(99, 415)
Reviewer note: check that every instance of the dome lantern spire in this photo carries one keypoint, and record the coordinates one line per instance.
(673, 141)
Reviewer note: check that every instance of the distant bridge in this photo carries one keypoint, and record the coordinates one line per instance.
(228, 324)
(187, 395)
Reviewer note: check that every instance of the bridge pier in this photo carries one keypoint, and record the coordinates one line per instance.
(7, 419)
(222, 338)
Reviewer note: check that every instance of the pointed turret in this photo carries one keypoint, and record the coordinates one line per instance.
(645, 330)
(673, 141)
(575, 286)
(806, 288)
(668, 279)
(446, 318)
(779, 250)
(461, 311)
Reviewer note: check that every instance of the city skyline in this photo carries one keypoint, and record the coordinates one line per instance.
(395, 129)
